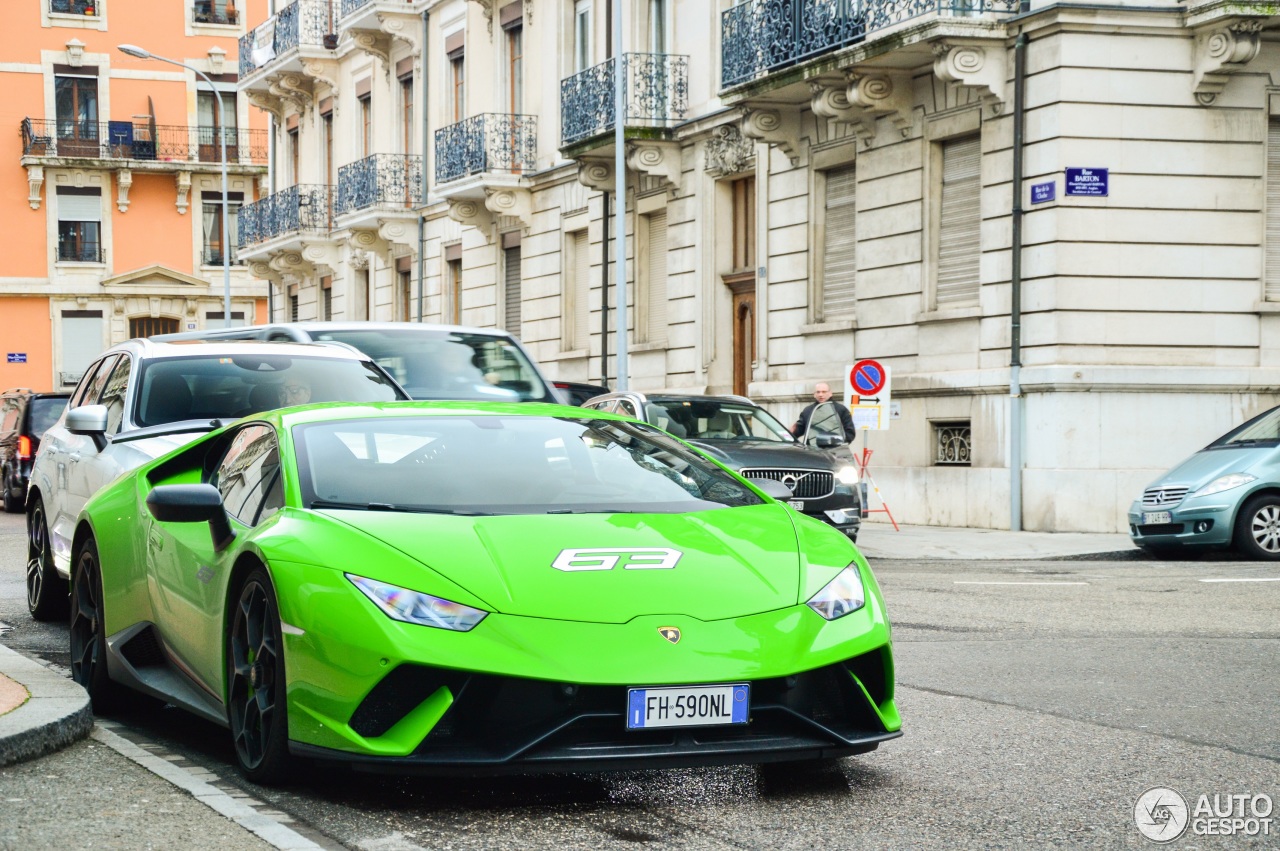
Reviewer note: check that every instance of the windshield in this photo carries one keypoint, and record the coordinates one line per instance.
(712, 419)
(44, 413)
(438, 364)
(507, 465)
(1263, 429)
(228, 388)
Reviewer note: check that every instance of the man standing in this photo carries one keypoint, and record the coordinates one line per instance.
(822, 393)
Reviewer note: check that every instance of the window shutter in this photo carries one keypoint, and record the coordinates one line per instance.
(960, 230)
(1272, 289)
(581, 288)
(839, 250)
(79, 208)
(512, 271)
(657, 284)
(81, 343)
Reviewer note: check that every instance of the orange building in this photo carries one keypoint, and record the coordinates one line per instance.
(112, 222)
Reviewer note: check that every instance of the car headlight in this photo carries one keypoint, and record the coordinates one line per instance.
(1225, 483)
(401, 604)
(841, 595)
(847, 475)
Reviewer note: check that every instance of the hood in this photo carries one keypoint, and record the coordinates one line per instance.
(732, 561)
(739, 455)
(1208, 464)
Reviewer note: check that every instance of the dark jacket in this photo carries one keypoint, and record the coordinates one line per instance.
(846, 420)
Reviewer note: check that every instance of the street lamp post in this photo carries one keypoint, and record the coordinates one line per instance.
(138, 52)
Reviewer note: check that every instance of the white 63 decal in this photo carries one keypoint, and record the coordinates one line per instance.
(607, 558)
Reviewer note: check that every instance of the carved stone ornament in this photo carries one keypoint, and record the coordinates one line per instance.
(183, 180)
(727, 153)
(1221, 52)
(597, 175)
(658, 159)
(75, 53)
(402, 27)
(401, 239)
(294, 88)
(778, 126)
(832, 103)
(291, 263)
(516, 203)
(267, 103)
(977, 66)
(359, 260)
(263, 271)
(472, 213)
(324, 72)
(124, 180)
(376, 44)
(884, 95)
(35, 180)
(321, 254)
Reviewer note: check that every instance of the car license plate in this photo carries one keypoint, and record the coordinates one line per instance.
(796, 504)
(687, 706)
(1156, 517)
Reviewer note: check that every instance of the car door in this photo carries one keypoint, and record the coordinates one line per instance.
(65, 454)
(189, 576)
(92, 472)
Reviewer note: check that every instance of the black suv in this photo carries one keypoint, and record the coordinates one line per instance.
(24, 418)
(748, 439)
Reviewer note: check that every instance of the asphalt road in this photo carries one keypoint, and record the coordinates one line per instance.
(1039, 699)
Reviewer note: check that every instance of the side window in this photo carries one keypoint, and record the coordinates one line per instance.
(113, 394)
(9, 415)
(627, 409)
(248, 475)
(94, 388)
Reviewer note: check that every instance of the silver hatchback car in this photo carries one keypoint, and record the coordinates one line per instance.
(142, 399)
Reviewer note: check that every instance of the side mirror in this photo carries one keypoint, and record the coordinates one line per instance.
(773, 488)
(192, 504)
(91, 421)
(827, 441)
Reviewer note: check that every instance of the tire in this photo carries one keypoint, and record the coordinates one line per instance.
(257, 708)
(88, 634)
(1257, 532)
(47, 592)
(12, 504)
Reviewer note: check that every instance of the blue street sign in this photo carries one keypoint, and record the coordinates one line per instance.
(16, 357)
(1041, 192)
(1087, 181)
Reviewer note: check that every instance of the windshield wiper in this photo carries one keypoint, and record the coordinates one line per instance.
(387, 506)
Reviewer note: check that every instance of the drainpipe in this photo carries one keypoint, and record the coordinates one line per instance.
(271, 187)
(422, 220)
(604, 290)
(1015, 297)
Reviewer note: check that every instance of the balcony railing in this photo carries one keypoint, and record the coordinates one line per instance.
(124, 140)
(380, 180)
(761, 36)
(305, 207)
(88, 8)
(349, 6)
(79, 251)
(207, 12)
(303, 22)
(490, 142)
(211, 255)
(655, 94)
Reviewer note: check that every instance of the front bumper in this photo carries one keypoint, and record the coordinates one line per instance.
(1195, 522)
(527, 694)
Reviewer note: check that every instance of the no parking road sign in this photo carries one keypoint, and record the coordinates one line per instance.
(866, 389)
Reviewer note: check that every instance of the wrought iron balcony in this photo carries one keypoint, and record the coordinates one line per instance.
(655, 94)
(349, 6)
(211, 255)
(88, 8)
(124, 140)
(305, 207)
(380, 180)
(301, 23)
(80, 251)
(758, 37)
(490, 142)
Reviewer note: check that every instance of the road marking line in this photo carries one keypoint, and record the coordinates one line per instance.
(1021, 583)
(266, 828)
(1257, 579)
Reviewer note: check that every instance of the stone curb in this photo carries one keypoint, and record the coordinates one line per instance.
(56, 714)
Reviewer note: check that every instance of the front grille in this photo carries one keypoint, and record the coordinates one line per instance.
(804, 484)
(1163, 497)
(1161, 529)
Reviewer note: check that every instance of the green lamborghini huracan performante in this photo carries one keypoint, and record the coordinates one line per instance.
(447, 587)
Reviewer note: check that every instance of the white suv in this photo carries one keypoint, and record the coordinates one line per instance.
(142, 399)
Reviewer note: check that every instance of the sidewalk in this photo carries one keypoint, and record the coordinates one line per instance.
(878, 540)
(40, 711)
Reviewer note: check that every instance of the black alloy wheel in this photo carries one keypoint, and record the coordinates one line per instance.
(88, 633)
(256, 699)
(1257, 532)
(46, 591)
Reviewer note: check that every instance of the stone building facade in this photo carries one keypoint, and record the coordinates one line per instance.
(811, 182)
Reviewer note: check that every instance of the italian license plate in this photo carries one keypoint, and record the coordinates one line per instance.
(796, 504)
(687, 706)
(1155, 517)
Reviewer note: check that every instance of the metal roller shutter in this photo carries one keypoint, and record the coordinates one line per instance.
(840, 246)
(960, 230)
(1272, 288)
(657, 300)
(79, 208)
(581, 287)
(511, 268)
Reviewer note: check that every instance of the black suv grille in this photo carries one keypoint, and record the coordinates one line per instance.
(804, 484)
